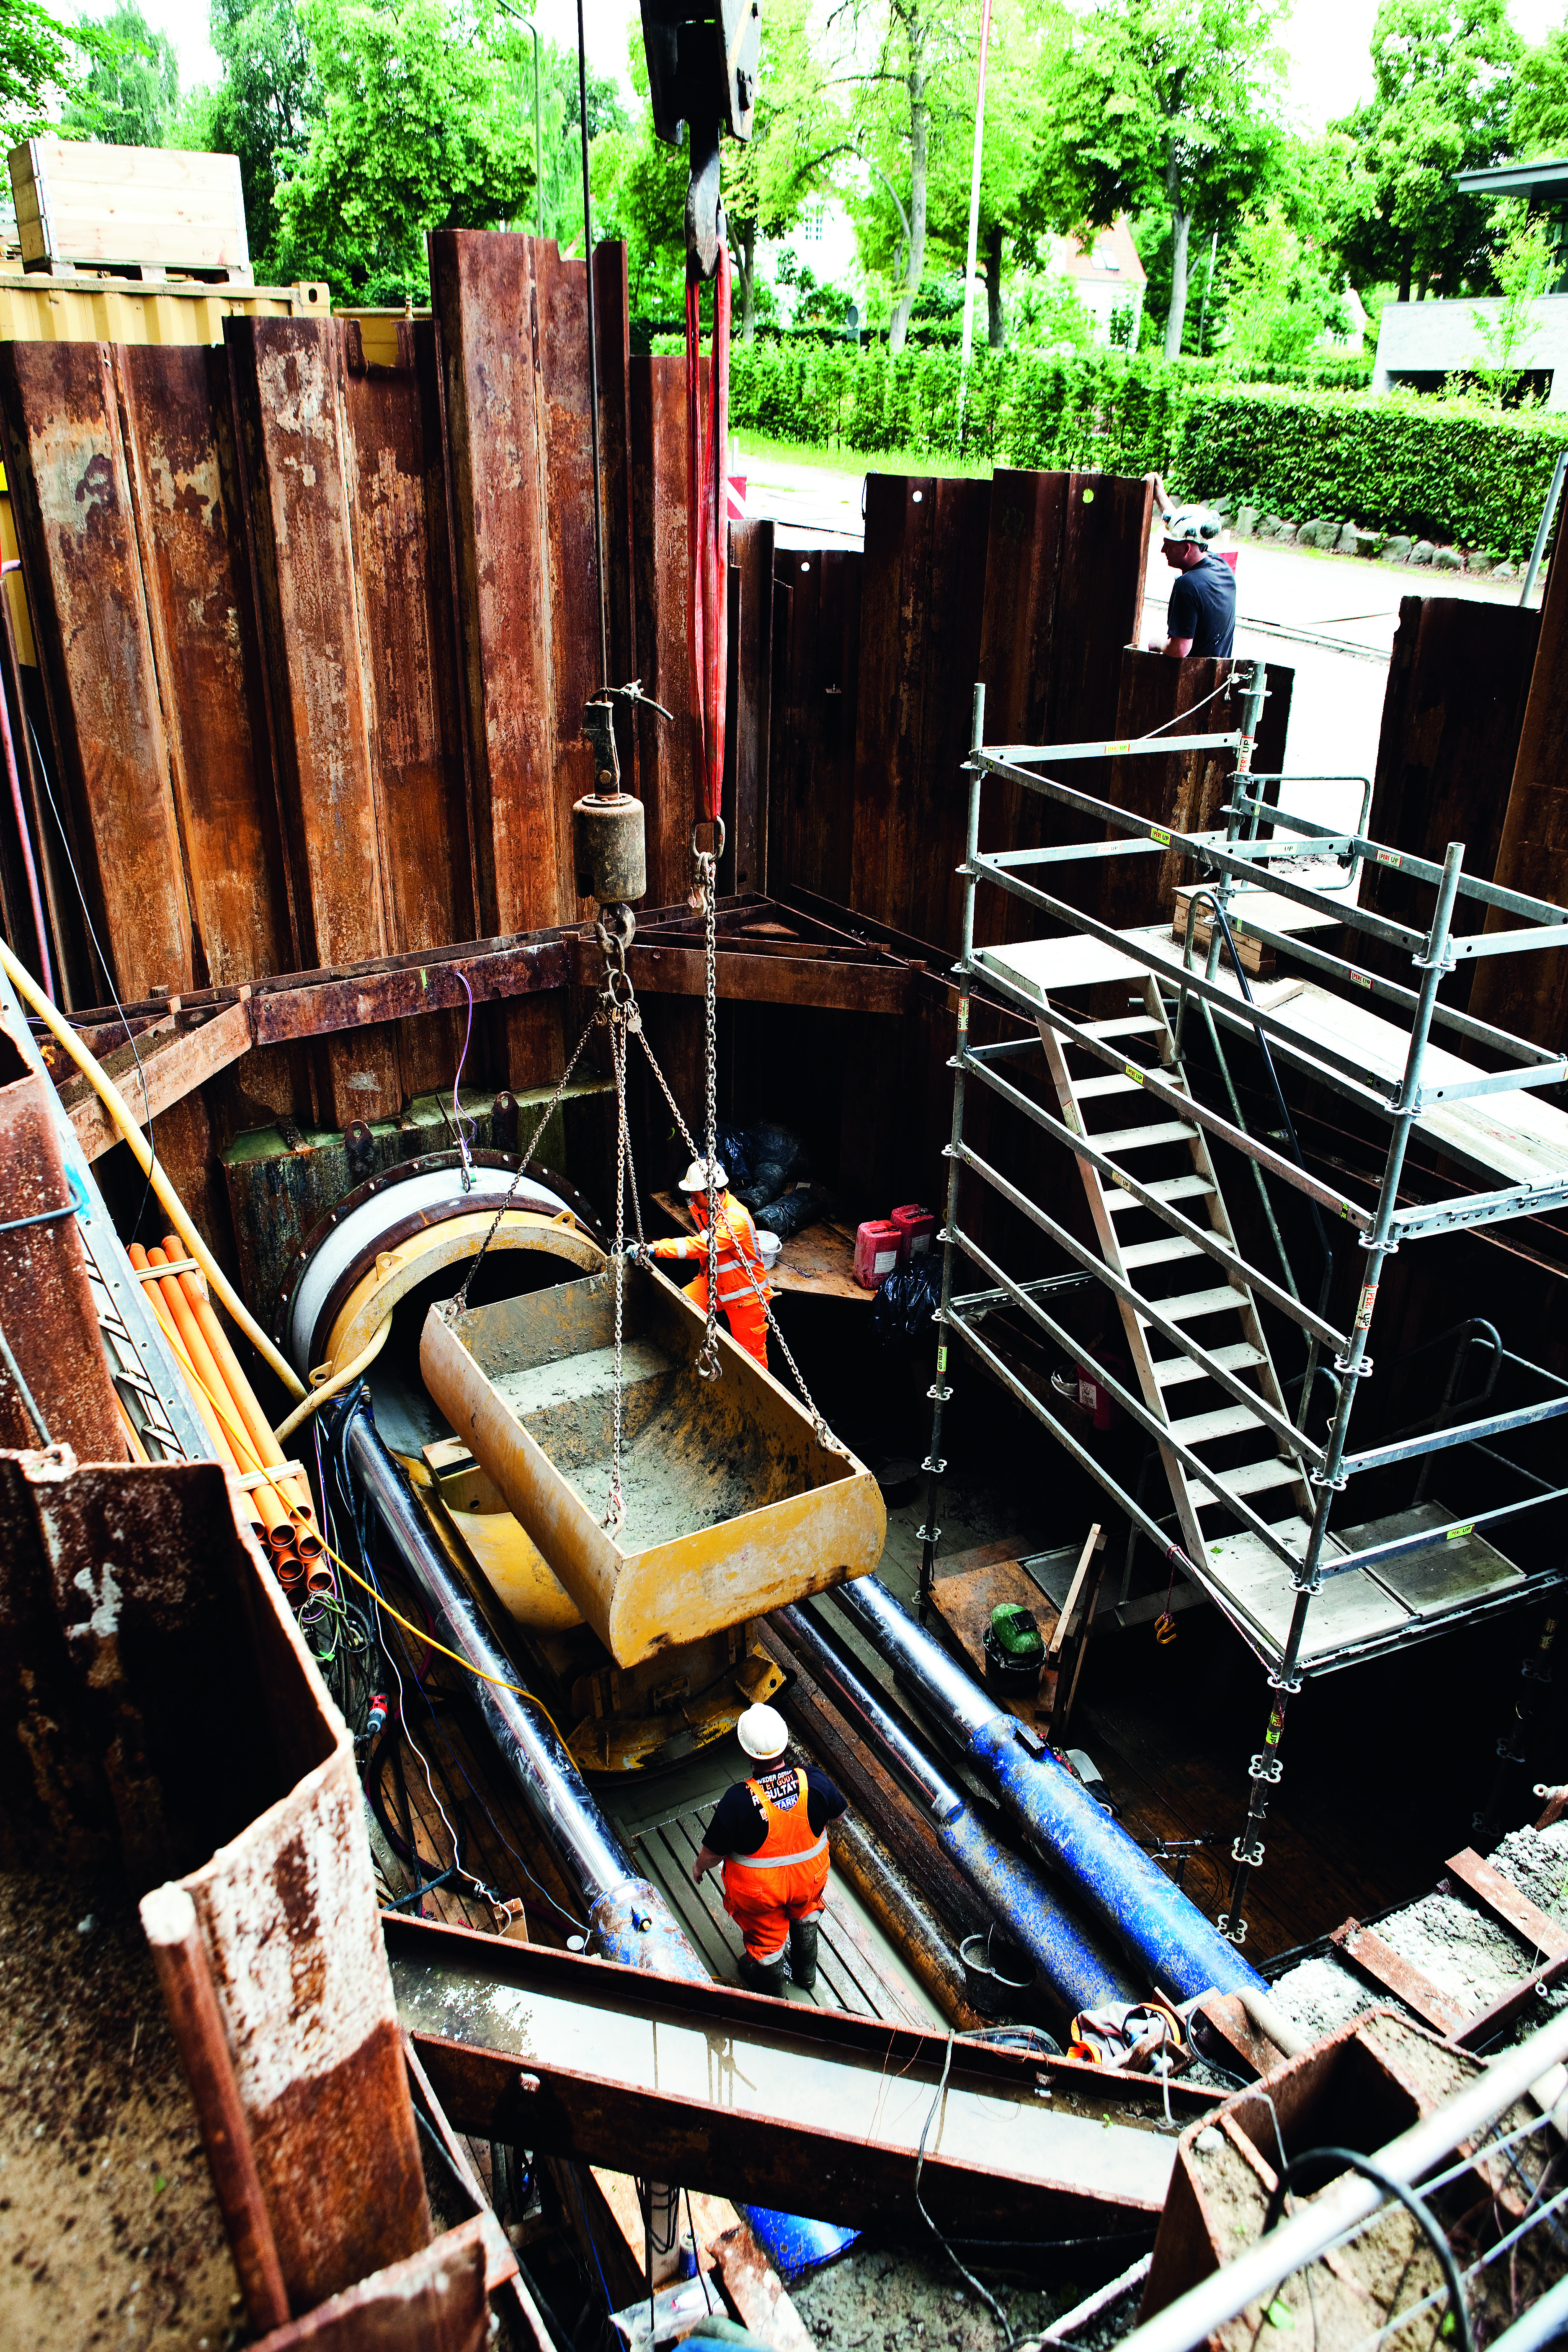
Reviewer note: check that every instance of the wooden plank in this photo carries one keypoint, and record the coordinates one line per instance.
(1529, 995)
(759, 979)
(900, 517)
(174, 1066)
(297, 463)
(70, 500)
(925, 891)
(751, 658)
(1505, 1902)
(1453, 714)
(1368, 1952)
(494, 314)
(1094, 1541)
(965, 1605)
(403, 571)
(179, 429)
(668, 765)
(1106, 522)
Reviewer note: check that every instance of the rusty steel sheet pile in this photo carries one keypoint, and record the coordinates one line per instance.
(734, 1504)
(162, 1711)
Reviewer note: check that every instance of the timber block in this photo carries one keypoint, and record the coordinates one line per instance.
(965, 1603)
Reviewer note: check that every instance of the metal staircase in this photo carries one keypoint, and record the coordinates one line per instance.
(1252, 1488)
(1170, 1282)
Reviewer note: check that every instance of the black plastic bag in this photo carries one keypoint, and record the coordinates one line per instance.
(734, 1155)
(787, 1217)
(904, 1305)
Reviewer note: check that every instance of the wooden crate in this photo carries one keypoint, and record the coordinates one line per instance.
(152, 208)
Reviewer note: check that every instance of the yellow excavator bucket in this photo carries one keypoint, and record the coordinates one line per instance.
(732, 1505)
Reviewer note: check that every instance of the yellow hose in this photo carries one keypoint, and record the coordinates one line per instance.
(114, 1102)
(335, 1386)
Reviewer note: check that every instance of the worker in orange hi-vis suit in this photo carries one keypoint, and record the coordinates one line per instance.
(770, 1833)
(738, 1249)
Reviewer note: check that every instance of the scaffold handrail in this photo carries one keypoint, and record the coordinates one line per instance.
(1405, 861)
(1083, 1147)
(1437, 1440)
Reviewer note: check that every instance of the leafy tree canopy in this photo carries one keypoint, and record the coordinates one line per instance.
(1443, 96)
(43, 63)
(130, 94)
(1168, 103)
(1540, 125)
(421, 125)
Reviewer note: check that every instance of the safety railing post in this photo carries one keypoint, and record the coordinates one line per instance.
(934, 1465)
(1264, 1769)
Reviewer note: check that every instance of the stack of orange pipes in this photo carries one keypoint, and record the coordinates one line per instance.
(241, 1434)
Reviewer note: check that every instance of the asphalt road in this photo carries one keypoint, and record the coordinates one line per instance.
(1331, 618)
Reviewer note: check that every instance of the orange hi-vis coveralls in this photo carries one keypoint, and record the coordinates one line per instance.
(738, 1248)
(786, 1878)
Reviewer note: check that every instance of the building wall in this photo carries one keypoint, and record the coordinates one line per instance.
(1427, 338)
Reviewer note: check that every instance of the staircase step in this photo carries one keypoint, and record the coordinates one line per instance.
(1087, 1089)
(1198, 1303)
(1136, 1024)
(1176, 1371)
(1166, 1253)
(1229, 1420)
(1169, 1188)
(1252, 1479)
(1143, 1139)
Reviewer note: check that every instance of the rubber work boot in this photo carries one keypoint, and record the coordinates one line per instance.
(803, 1953)
(764, 1976)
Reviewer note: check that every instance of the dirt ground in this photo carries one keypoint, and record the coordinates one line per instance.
(884, 2298)
(108, 2231)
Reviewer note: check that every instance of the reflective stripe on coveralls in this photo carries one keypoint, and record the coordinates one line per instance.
(786, 1879)
(737, 1241)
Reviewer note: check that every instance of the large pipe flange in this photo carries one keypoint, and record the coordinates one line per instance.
(394, 1231)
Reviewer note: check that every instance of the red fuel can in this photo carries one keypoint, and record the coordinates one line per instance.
(877, 1246)
(916, 1227)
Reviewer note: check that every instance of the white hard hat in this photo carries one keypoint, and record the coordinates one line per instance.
(762, 1733)
(696, 1178)
(1198, 523)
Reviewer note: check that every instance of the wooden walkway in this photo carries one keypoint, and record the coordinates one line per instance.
(856, 1967)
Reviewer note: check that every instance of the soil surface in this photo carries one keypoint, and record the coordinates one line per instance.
(884, 2298)
(108, 2231)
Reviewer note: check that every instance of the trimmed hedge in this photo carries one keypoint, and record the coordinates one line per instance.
(1450, 469)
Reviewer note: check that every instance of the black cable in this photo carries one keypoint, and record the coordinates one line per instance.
(1009, 2335)
(1349, 2161)
(107, 975)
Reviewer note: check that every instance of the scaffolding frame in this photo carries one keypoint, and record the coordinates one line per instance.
(1246, 852)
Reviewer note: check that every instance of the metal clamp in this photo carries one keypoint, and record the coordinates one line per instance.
(1264, 1767)
(1249, 1856)
(1234, 1934)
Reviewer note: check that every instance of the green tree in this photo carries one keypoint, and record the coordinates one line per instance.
(1007, 229)
(1525, 264)
(43, 64)
(1280, 292)
(263, 110)
(1442, 98)
(419, 127)
(131, 95)
(1166, 103)
(1539, 125)
(898, 60)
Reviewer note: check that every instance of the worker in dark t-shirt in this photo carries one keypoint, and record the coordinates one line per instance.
(1200, 617)
(771, 1834)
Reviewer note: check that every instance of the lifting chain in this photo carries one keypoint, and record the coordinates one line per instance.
(708, 1364)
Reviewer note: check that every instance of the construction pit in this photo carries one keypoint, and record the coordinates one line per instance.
(627, 1138)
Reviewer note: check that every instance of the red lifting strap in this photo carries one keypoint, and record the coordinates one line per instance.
(707, 457)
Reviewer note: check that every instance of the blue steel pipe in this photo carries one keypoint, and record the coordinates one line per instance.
(1075, 1974)
(1176, 1948)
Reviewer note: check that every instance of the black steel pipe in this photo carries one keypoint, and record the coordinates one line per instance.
(1077, 1975)
(628, 1920)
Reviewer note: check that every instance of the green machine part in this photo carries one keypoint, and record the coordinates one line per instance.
(1017, 1637)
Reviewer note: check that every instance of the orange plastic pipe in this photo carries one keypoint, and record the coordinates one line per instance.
(215, 1428)
(268, 1503)
(269, 1453)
